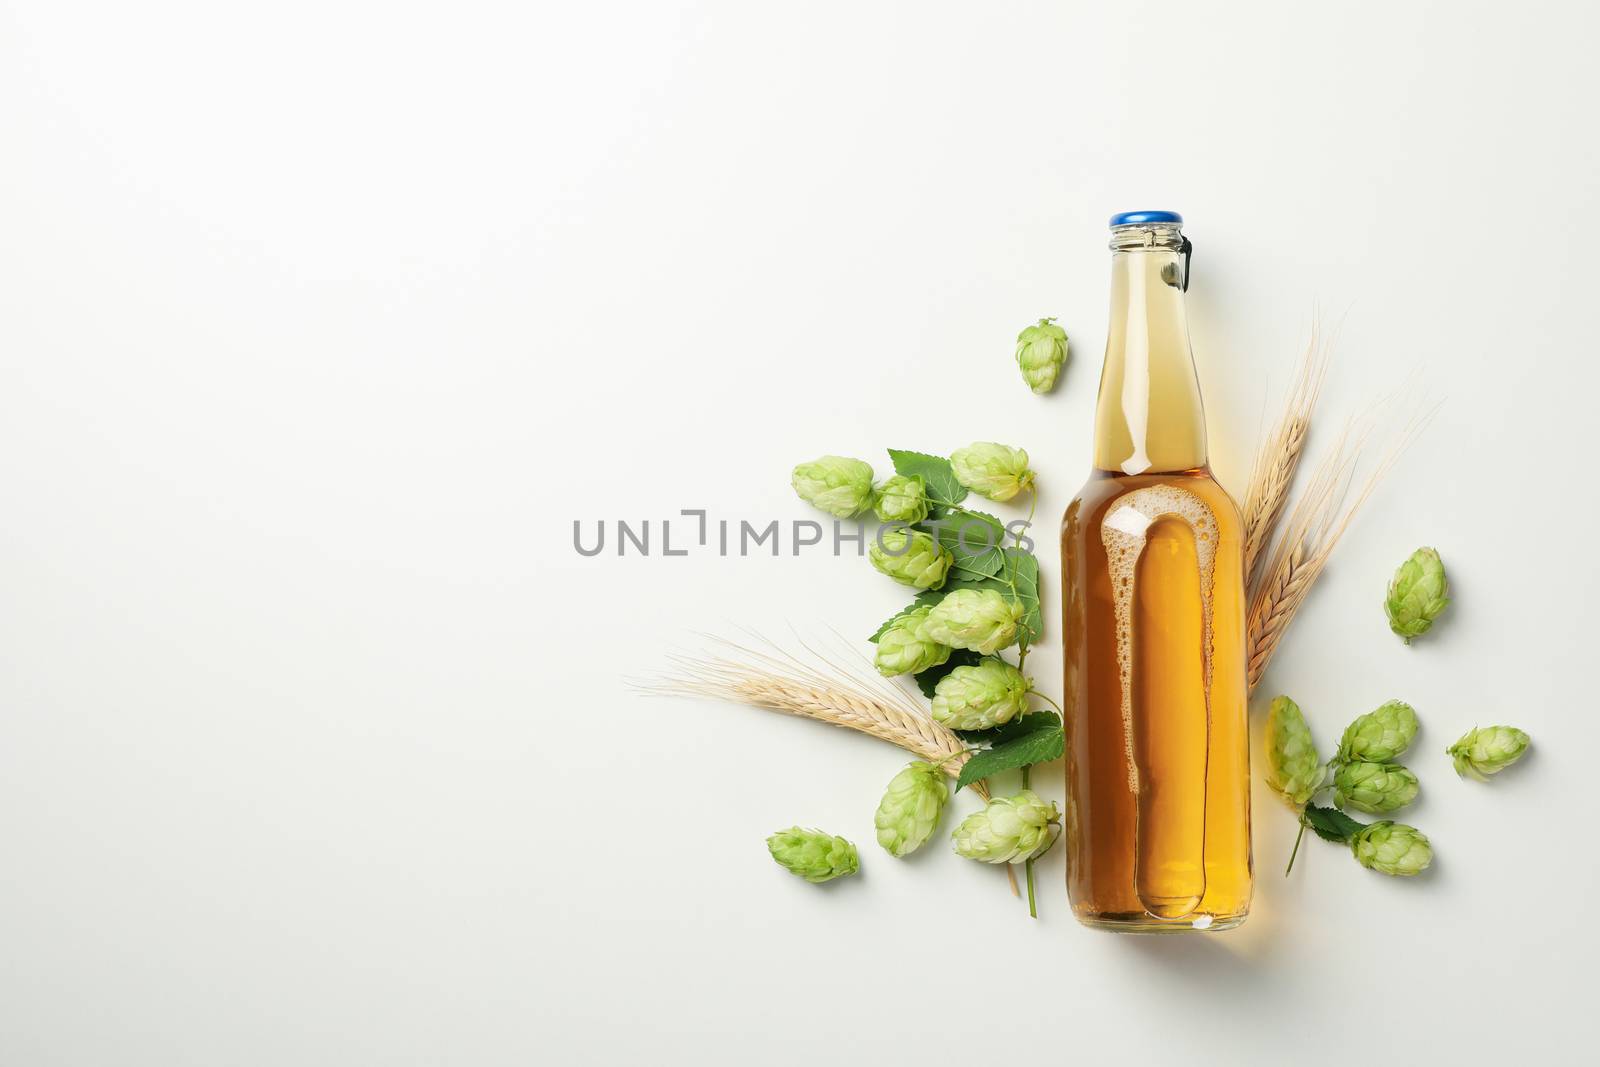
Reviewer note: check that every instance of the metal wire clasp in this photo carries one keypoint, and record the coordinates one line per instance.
(1187, 250)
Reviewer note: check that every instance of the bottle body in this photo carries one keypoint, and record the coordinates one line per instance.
(1153, 596)
(1158, 746)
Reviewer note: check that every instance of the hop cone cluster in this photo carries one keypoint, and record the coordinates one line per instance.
(1417, 594)
(1380, 735)
(1392, 848)
(983, 620)
(904, 648)
(910, 557)
(902, 499)
(1009, 829)
(1488, 750)
(1378, 788)
(838, 485)
(1294, 770)
(995, 471)
(813, 855)
(1041, 350)
(984, 695)
(910, 808)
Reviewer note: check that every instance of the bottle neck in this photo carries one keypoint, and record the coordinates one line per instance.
(1149, 419)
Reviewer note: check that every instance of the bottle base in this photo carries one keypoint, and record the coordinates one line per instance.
(1141, 922)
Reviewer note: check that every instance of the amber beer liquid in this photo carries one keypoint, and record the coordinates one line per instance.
(1158, 758)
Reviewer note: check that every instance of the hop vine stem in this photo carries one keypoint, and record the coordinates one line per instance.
(1022, 657)
(1049, 700)
(1011, 583)
(1027, 865)
(1008, 575)
(1296, 850)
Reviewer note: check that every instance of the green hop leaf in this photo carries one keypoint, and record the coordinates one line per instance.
(1379, 735)
(983, 620)
(1009, 829)
(1330, 824)
(1023, 569)
(813, 855)
(1032, 722)
(938, 479)
(901, 499)
(1418, 592)
(910, 808)
(982, 696)
(974, 540)
(838, 485)
(1041, 350)
(1036, 737)
(995, 471)
(903, 648)
(1294, 770)
(1378, 788)
(910, 557)
(1392, 848)
(1488, 750)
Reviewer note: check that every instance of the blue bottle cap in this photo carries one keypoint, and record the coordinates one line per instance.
(1135, 218)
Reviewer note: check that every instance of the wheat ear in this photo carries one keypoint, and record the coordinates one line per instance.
(1320, 517)
(1279, 457)
(816, 689)
(822, 690)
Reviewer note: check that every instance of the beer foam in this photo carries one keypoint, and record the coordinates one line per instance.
(1123, 532)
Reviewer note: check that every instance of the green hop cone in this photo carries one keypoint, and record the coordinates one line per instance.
(1488, 750)
(901, 499)
(983, 620)
(1041, 350)
(1378, 788)
(1009, 829)
(982, 696)
(910, 557)
(1417, 594)
(1392, 848)
(904, 648)
(813, 855)
(1379, 735)
(910, 808)
(838, 485)
(1294, 771)
(995, 471)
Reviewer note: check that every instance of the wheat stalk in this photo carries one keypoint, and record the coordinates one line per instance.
(1279, 456)
(822, 690)
(1317, 522)
(817, 689)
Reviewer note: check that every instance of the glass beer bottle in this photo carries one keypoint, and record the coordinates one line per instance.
(1158, 758)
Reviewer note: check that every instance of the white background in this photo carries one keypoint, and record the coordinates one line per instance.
(320, 323)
